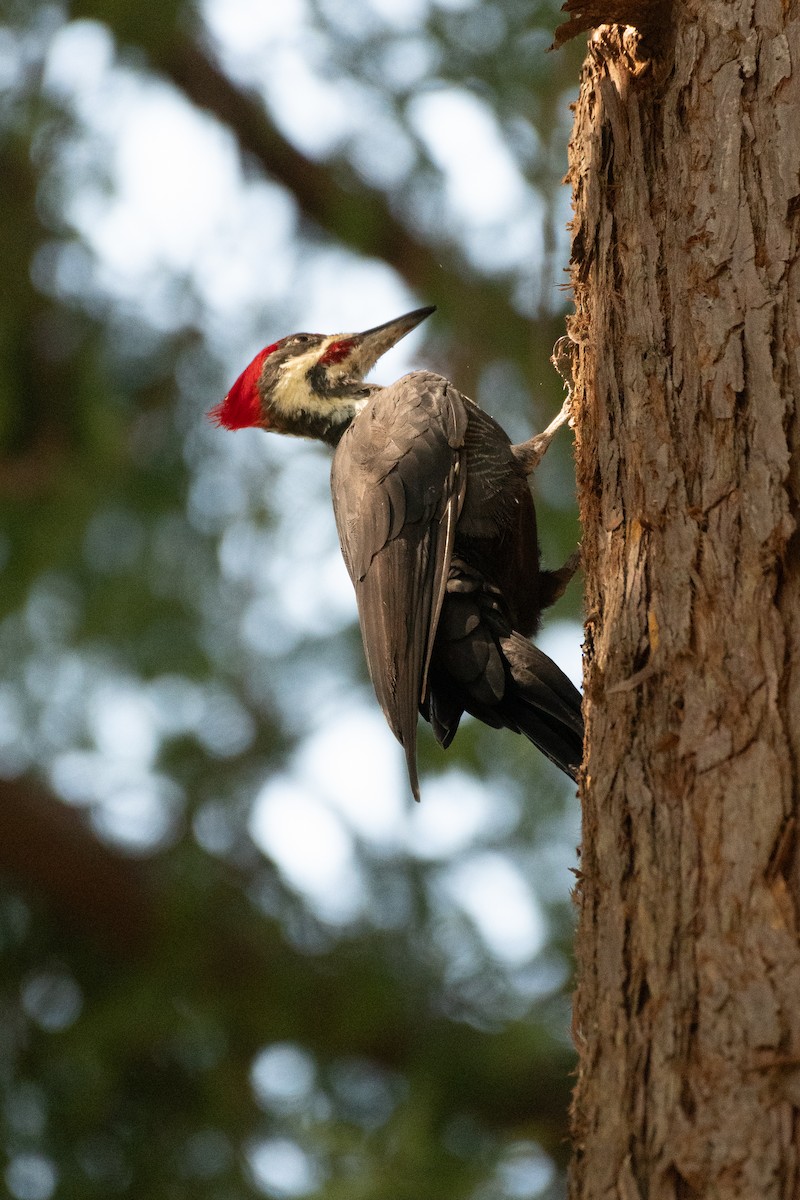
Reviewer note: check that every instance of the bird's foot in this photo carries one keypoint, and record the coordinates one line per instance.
(553, 584)
(531, 453)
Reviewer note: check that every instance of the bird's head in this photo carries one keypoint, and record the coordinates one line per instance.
(311, 384)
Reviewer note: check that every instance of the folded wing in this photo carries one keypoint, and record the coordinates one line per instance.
(398, 483)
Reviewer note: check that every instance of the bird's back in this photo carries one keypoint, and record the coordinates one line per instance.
(496, 532)
(438, 531)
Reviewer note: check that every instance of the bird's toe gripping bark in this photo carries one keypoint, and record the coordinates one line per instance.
(553, 584)
(531, 453)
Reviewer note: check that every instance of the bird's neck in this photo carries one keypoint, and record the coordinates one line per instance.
(328, 425)
(323, 414)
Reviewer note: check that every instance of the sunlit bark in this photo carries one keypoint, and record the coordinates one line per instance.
(684, 166)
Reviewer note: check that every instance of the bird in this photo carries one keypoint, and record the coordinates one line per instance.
(437, 527)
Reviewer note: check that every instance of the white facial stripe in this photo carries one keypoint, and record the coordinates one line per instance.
(291, 391)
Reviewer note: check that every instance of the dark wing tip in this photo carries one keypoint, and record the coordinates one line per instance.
(411, 764)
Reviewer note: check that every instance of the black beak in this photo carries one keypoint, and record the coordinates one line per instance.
(370, 345)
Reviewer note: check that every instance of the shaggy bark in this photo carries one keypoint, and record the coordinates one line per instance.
(684, 164)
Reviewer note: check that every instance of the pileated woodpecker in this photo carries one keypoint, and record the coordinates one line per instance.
(438, 531)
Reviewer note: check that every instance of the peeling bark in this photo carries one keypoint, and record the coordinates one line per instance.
(685, 172)
(650, 18)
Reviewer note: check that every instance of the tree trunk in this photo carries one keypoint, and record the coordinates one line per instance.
(684, 164)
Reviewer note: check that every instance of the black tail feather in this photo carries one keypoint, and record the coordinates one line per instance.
(534, 696)
(543, 704)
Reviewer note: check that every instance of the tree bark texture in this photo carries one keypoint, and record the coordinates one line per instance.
(685, 162)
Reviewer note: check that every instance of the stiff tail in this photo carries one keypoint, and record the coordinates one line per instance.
(504, 680)
(542, 703)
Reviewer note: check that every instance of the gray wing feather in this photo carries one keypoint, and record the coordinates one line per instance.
(398, 483)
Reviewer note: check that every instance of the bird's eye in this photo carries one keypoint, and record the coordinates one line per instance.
(301, 337)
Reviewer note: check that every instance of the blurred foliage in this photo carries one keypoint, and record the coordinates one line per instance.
(180, 1016)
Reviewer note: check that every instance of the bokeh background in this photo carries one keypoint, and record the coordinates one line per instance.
(237, 960)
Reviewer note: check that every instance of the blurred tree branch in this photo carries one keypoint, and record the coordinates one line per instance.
(336, 200)
(355, 214)
(48, 848)
(122, 905)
